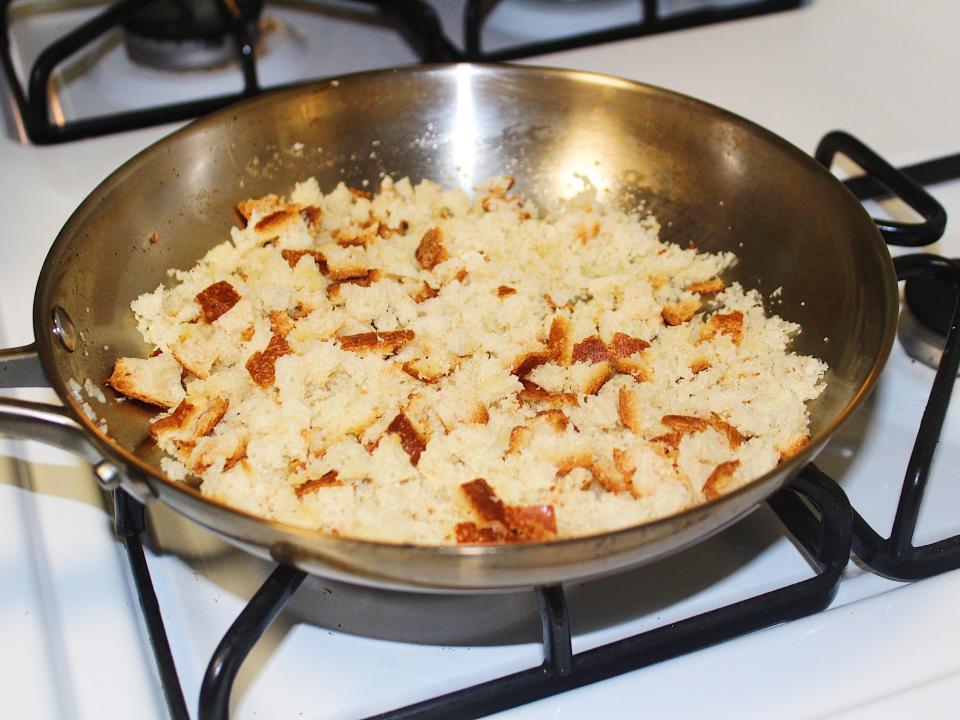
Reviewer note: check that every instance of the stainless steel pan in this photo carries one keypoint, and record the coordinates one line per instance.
(711, 177)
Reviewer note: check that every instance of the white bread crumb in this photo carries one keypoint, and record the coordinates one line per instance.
(493, 354)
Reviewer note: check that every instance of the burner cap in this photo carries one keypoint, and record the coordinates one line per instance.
(187, 19)
(925, 319)
(185, 34)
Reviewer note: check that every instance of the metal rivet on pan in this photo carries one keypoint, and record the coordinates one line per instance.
(64, 329)
(107, 475)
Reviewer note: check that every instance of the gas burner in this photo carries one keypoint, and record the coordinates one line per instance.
(925, 319)
(187, 34)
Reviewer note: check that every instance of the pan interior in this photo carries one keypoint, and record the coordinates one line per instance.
(711, 179)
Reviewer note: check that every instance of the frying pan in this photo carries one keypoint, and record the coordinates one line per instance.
(710, 177)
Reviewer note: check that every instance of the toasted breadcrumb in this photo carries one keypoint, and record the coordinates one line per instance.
(431, 252)
(153, 380)
(419, 365)
(707, 287)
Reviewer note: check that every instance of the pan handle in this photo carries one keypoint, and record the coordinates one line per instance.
(50, 424)
(20, 368)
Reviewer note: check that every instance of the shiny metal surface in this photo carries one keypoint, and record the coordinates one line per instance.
(711, 178)
(20, 368)
(64, 329)
(50, 424)
(920, 342)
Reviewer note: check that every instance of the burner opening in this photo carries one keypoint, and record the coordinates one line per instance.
(925, 319)
(186, 34)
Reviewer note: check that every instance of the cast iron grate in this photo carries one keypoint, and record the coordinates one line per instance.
(824, 534)
(895, 556)
(813, 509)
(415, 18)
(827, 543)
(652, 22)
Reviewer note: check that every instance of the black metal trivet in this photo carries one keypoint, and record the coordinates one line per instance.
(651, 22)
(895, 556)
(813, 509)
(416, 20)
(130, 524)
(824, 534)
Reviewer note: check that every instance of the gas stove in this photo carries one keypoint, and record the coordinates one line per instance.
(85, 69)
(76, 640)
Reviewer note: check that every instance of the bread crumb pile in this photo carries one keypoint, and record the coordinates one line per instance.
(425, 366)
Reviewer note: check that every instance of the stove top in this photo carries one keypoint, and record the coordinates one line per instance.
(78, 69)
(77, 646)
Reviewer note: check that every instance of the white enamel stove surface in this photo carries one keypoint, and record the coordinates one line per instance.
(72, 645)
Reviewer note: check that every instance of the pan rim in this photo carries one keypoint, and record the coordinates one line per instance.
(130, 461)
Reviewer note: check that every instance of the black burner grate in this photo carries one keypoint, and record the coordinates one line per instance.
(416, 18)
(824, 535)
(813, 509)
(652, 22)
(896, 557)
(826, 541)
(130, 523)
